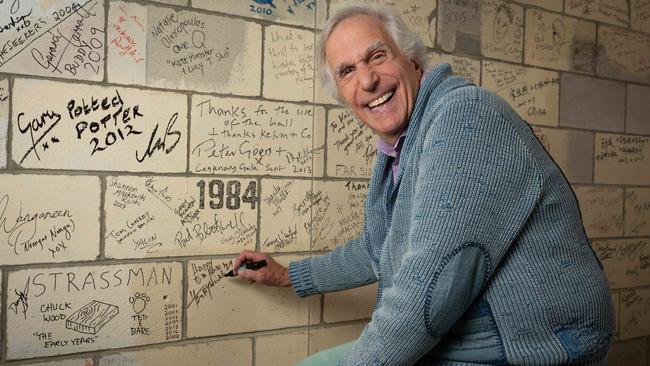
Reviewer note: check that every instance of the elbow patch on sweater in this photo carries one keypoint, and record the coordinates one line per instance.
(454, 287)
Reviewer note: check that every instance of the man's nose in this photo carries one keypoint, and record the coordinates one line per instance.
(368, 78)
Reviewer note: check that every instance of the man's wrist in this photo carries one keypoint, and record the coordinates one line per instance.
(286, 280)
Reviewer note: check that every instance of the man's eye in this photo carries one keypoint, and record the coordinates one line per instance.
(345, 72)
(378, 56)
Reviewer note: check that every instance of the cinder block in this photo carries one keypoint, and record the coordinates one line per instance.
(54, 311)
(559, 42)
(236, 352)
(571, 150)
(4, 120)
(419, 15)
(626, 261)
(623, 54)
(295, 212)
(48, 225)
(533, 93)
(622, 159)
(465, 67)
(71, 362)
(183, 49)
(638, 109)
(459, 27)
(592, 103)
(88, 127)
(171, 216)
(637, 212)
(351, 146)
(252, 137)
(502, 30)
(328, 337)
(286, 208)
(640, 15)
(629, 353)
(281, 349)
(635, 313)
(57, 38)
(602, 210)
(217, 305)
(606, 11)
(288, 63)
(348, 305)
(555, 5)
(127, 43)
(304, 13)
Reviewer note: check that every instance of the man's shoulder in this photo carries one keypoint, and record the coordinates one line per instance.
(472, 100)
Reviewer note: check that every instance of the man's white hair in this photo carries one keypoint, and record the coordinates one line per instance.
(409, 42)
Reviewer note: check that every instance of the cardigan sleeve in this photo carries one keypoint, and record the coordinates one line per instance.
(345, 267)
(476, 187)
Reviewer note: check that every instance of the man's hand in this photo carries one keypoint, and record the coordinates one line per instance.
(274, 274)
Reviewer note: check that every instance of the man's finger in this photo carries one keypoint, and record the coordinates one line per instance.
(255, 276)
(244, 256)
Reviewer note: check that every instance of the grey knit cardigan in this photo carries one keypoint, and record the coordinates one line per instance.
(478, 248)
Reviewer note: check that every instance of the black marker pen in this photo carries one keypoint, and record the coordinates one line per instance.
(252, 265)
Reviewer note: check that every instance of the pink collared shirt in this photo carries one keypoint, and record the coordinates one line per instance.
(393, 151)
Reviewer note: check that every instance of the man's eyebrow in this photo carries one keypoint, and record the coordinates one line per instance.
(374, 46)
(340, 67)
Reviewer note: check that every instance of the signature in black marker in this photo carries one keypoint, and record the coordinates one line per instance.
(48, 120)
(20, 304)
(157, 143)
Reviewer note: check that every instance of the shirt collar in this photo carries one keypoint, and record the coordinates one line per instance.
(391, 150)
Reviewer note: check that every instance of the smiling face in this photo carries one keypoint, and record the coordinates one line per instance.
(372, 74)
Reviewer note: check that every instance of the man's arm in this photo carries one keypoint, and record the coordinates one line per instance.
(476, 188)
(345, 267)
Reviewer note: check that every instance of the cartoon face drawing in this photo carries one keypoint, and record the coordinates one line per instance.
(502, 22)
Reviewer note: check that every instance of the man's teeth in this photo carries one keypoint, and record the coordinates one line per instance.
(381, 100)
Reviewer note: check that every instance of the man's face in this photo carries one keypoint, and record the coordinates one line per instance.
(378, 82)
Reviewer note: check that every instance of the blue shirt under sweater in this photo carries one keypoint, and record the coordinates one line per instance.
(478, 247)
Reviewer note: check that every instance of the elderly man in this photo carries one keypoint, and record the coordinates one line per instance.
(471, 230)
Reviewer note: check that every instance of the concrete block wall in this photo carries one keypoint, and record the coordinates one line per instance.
(144, 143)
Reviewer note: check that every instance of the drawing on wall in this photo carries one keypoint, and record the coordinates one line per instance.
(139, 302)
(96, 125)
(502, 30)
(533, 93)
(56, 38)
(245, 136)
(158, 216)
(92, 317)
(559, 42)
(502, 22)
